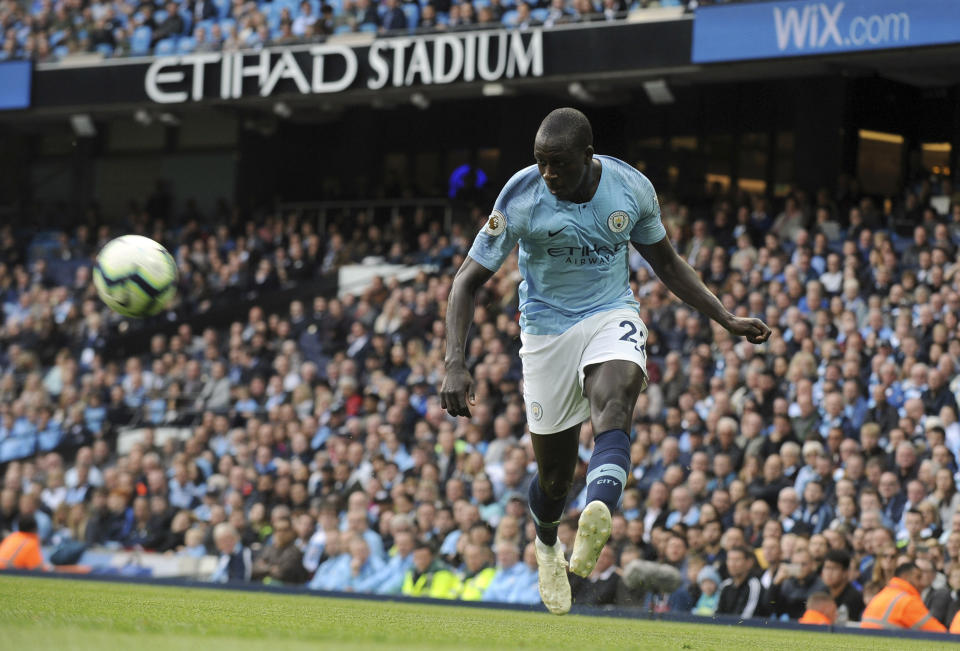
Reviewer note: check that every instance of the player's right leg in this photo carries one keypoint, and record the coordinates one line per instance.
(556, 407)
(556, 464)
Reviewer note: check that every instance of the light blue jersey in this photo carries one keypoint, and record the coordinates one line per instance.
(573, 257)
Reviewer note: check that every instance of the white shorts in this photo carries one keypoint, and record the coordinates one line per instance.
(553, 366)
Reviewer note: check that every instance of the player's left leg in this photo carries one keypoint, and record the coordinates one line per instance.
(612, 387)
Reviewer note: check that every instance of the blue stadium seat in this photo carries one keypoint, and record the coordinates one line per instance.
(670, 3)
(206, 25)
(57, 37)
(187, 18)
(165, 47)
(223, 7)
(480, 4)
(160, 15)
(140, 41)
(343, 29)
(443, 18)
(49, 439)
(509, 17)
(17, 448)
(61, 51)
(105, 49)
(412, 12)
(368, 27)
(186, 45)
(539, 15)
(227, 24)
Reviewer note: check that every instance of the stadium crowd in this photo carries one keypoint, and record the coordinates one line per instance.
(45, 30)
(820, 467)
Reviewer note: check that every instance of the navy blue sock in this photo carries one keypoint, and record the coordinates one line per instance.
(546, 512)
(609, 465)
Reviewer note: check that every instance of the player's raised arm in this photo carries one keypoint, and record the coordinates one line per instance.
(457, 390)
(682, 280)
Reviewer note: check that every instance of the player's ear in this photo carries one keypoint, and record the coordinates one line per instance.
(588, 154)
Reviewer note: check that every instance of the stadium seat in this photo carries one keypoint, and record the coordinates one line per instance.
(187, 21)
(165, 47)
(443, 18)
(61, 51)
(368, 27)
(49, 439)
(186, 45)
(17, 448)
(509, 17)
(57, 37)
(480, 4)
(159, 16)
(343, 29)
(223, 7)
(412, 13)
(206, 25)
(539, 15)
(105, 49)
(140, 41)
(227, 24)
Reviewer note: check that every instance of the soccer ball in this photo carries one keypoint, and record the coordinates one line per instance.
(135, 276)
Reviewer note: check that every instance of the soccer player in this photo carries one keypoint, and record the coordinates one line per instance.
(575, 214)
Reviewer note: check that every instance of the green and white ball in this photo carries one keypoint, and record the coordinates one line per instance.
(135, 276)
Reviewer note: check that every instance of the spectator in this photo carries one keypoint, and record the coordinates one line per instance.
(235, 562)
(835, 582)
(708, 580)
(792, 585)
(281, 560)
(600, 588)
(389, 579)
(937, 600)
(511, 575)
(740, 594)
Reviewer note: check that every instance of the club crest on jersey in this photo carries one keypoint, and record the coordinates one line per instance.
(536, 411)
(496, 224)
(618, 220)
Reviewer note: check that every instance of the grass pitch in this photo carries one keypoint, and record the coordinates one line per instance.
(39, 614)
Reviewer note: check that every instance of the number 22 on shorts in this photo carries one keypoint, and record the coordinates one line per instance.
(640, 347)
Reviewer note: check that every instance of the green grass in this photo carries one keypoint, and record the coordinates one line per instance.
(61, 614)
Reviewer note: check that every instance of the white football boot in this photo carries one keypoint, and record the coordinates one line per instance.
(593, 532)
(552, 577)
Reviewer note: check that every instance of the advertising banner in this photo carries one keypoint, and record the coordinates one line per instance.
(415, 61)
(768, 30)
(15, 85)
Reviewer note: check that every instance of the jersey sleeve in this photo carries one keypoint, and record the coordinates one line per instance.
(500, 234)
(649, 228)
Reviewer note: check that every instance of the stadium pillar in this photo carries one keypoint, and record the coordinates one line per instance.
(819, 124)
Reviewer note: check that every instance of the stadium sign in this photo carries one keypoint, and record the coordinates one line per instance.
(801, 28)
(342, 67)
(333, 68)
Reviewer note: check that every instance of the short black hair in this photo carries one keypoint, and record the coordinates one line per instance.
(567, 126)
(423, 544)
(27, 523)
(839, 556)
(905, 568)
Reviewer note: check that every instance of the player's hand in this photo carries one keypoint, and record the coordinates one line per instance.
(456, 394)
(755, 330)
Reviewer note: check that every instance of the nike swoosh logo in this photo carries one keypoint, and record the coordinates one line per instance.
(551, 234)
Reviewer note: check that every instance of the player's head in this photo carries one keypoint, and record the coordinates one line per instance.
(563, 149)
